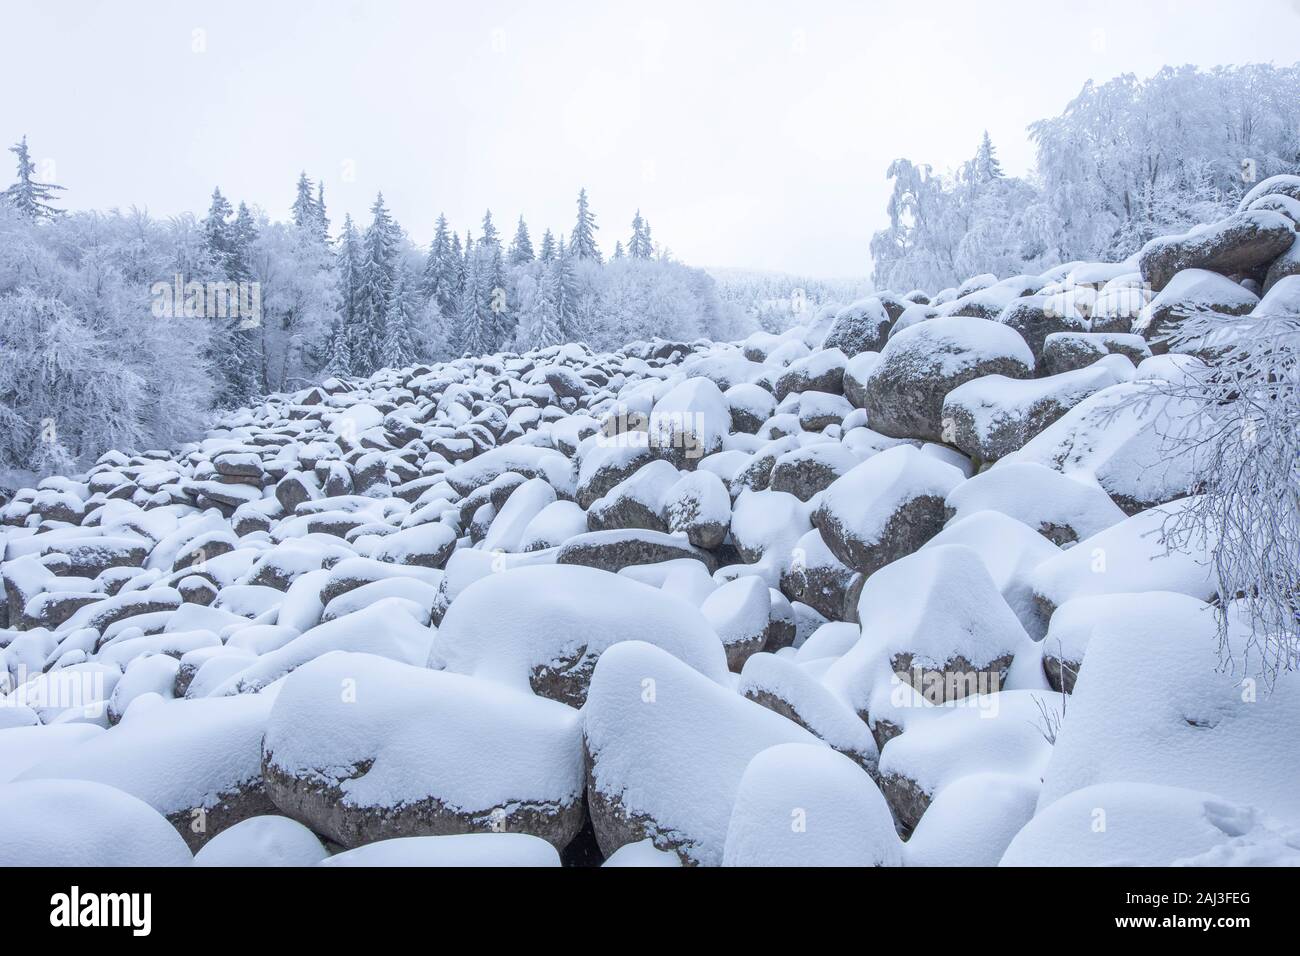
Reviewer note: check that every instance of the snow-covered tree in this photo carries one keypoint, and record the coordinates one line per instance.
(640, 246)
(547, 252)
(985, 167)
(1242, 431)
(400, 344)
(29, 197)
(304, 204)
(442, 268)
(378, 271)
(582, 242)
(521, 247)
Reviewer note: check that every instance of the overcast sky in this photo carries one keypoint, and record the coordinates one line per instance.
(751, 134)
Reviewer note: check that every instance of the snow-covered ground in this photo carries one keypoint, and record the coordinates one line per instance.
(888, 588)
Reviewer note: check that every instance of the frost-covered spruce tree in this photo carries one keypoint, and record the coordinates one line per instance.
(338, 356)
(521, 247)
(349, 288)
(582, 243)
(322, 221)
(29, 197)
(475, 325)
(540, 325)
(378, 270)
(618, 250)
(566, 294)
(547, 252)
(986, 167)
(1247, 512)
(244, 366)
(442, 269)
(399, 346)
(232, 350)
(304, 204)
(640, 246)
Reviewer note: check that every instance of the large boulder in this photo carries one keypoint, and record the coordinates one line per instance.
(542, 629)
(1133, 824)
(1239, 245)
(1190, 293)
(1152, 705)
(885, 508)
(1137, 441)
(361, 748)
(990, 417)
(80, 823)
(666, 751)
(804, 805)
(922, 364)
(861, 326)
(1036, 317)
(197, 762)
(1059, 508)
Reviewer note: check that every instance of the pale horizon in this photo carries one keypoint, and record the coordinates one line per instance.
(751, 136)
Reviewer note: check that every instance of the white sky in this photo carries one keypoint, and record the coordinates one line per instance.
(750, 133)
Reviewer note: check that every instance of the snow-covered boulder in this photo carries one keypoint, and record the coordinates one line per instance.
(1059, 508)
(816, 577)
(1141, 553)
(972, 820)
(1190, 293)
(1010, 552)
(942, 621)
(822, 371)
(1151, 705)
(803, 805)
(922, 364)
(1136, 441)
(1036, 317)
(361, 748)
(617, 549)
(1067, 351)
(1147, 824)
(1006, 733)
(1074, 622)
(197, 762)
(786, 686)
(453, 850)
(79, 823)
(885, 508)
(739, 612)
(990, 417)
(263, 841)
(1238, 245)
(861, 326)
(542, 629)
(667, 748)
(803, 472)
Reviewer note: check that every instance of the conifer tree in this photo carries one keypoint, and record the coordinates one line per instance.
(547, 252)
(582, 244)
(29, 197)
(986, 167)
(521, 247)
(640, 247)
(442, 268)
(304, 204)
(379, 247)
(398, 349)
(322, 220)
